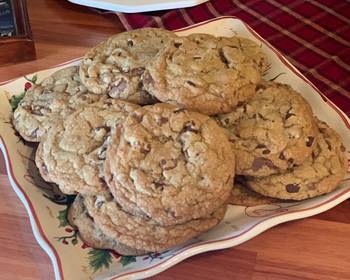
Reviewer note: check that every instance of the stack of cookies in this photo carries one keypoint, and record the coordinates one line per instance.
(151, 128)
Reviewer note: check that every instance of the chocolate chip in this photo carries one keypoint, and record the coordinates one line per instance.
(223, 58)
(162, 120)
(260, 87)
(177, 45)
(179, 110)
(147, 78)
(290, 160)
(137, 117)
(329, 145)
(310, 141)
(281, 156)
(137, 71)
(342, 148)
(146, 150)
(118, 88)
(289, 114)
(260, 146)
(168, 165)
(292, 188)
(159, 185)
(190, 126)
(261, 162)
(98, 204)
(191, 83)
(197, 57)
(266, 152)
(130, 43)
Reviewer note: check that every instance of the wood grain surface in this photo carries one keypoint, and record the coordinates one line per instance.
(312, 248)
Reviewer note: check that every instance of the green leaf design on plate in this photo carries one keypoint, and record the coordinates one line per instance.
(34, 78)
(125, 260)
(62, 217)
(74, 241)
(99, 259)
(15, 99)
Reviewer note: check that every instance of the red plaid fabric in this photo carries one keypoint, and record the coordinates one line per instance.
(313, 35)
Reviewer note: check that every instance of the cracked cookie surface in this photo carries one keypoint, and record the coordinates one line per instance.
(114, 67)
(169, 164)
(272, 132)
(53, 99)
(319, 174)
(199, 74)
(91, 234)
(146, 234)
(73, 150)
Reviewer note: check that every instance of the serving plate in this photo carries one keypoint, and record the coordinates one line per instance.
(138, 6)
(46, 207)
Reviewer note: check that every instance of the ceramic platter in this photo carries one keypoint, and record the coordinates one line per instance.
(47, 207)
(138, 6)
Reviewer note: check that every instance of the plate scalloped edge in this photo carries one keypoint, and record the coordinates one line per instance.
(196, 248)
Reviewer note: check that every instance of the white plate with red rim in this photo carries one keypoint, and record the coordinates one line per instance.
(138, 6)
(46, 208)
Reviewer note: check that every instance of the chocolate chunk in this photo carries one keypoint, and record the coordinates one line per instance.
(190, 126)
(292, 188)
(282, 157)
(179, 110)
(310, 141)
(266, 152)
(159, 185)
(289, 114)
(177, 45)
(130, 43)
(98, 204)
(147, 78)
(168, 165)
(137, 117)
(146, 150)
(342, 148)
(137, 71)
(313, 155)
(118, 88)
(191, 83)
(197, 57)
(223, 58)
(260, 146)
(260, 87)
(260, 162)
(162, 120)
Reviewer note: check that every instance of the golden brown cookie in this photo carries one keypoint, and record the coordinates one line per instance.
(53, 99)
(142, 233)
(319, 174)
(114, 67)
(91, 234)
(272, 132)
(200, 76)
(72, 152)
(169, 164)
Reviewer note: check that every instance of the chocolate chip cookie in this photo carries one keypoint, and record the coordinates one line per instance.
(243, 196)
(55, 98)
(142, 233)
(272, 132)
(169, 164)
(200, 76)
(115, 66)
(72, 152)
(319, 174)
(91, 234)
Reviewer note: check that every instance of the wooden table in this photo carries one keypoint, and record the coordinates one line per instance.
(313, 248)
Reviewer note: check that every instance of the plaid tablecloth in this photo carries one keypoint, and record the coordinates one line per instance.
(313, 35)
